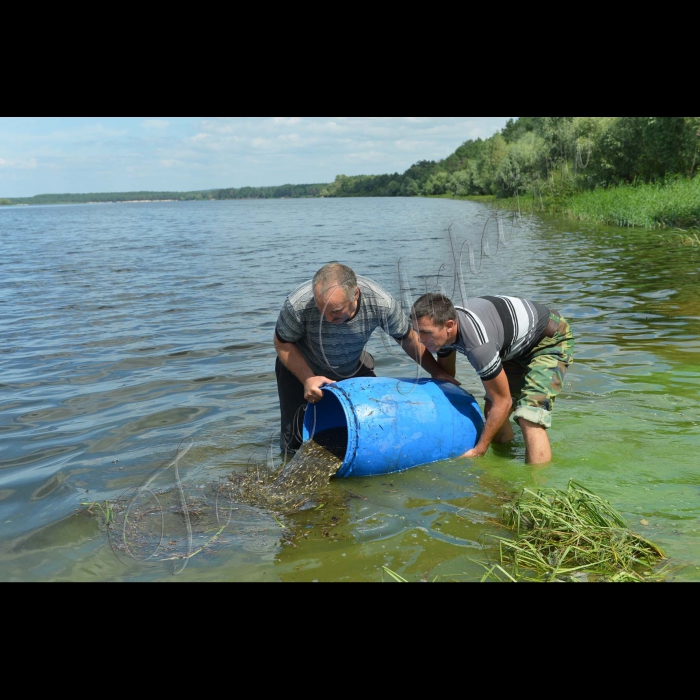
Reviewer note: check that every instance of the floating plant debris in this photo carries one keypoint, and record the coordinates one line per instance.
(572, 535)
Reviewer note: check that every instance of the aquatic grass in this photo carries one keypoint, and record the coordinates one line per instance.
(656, 206)
(568, 536)
(685, 238)
(107, 511)
(572, 535)
(394, 575)
(653, 206)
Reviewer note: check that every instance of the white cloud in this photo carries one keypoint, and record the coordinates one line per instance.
(29, 164)
(374, 156)
(408, 145)
(155, 124)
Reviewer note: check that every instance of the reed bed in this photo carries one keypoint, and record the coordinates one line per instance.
(572, 535)
(655, 206)
(652, 206)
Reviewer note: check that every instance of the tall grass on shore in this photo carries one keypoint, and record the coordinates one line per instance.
(670, 205)
(651, 206)
(572, 535)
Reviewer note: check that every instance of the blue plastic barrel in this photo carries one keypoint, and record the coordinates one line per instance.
(396, 424)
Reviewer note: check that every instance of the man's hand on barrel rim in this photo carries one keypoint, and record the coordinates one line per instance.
(444, 377)
(313, 387)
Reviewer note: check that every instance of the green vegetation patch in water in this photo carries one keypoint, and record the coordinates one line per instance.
(572, 535)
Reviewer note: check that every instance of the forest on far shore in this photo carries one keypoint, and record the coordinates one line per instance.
(281, 192)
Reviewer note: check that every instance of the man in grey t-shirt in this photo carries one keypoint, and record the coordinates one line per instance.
(320, 338)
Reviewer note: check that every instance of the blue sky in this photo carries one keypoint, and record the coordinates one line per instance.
(56, 155)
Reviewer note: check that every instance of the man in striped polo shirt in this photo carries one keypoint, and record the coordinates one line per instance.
(320, 339)
(520, 350)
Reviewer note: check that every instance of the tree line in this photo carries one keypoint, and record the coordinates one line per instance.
(552, 156)
(106, 197)
(279, 192)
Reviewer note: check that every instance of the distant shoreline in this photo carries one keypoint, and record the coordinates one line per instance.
(145, 196)
(95, 201)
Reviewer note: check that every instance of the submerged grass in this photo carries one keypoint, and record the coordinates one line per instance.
(572, 535)
(685, 238)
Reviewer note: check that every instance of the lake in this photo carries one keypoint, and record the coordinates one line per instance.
(137, 369)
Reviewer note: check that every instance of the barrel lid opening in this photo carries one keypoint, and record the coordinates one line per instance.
(327, 423)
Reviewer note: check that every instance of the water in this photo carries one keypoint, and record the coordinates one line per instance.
(137, 369)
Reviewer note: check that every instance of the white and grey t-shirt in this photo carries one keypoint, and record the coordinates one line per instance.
(335, 350)
(493, 330)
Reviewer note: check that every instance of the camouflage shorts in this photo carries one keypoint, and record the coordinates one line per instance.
(536, 379)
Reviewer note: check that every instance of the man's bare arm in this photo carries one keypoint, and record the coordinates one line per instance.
(292, 358)
(498, 392)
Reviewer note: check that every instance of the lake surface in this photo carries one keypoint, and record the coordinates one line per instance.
(131, 331)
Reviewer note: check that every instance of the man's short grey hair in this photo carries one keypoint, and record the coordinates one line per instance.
(336, 275)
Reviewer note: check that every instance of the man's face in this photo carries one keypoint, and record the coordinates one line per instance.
(432, 336)
(334, 305)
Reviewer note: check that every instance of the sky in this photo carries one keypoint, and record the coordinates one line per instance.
(78, 155)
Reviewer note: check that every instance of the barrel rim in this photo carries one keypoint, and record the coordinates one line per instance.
(345, 401)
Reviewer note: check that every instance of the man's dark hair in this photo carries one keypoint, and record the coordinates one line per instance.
(437, 307)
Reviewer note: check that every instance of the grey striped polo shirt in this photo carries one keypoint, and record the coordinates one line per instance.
(335, 351)
(493, 330)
